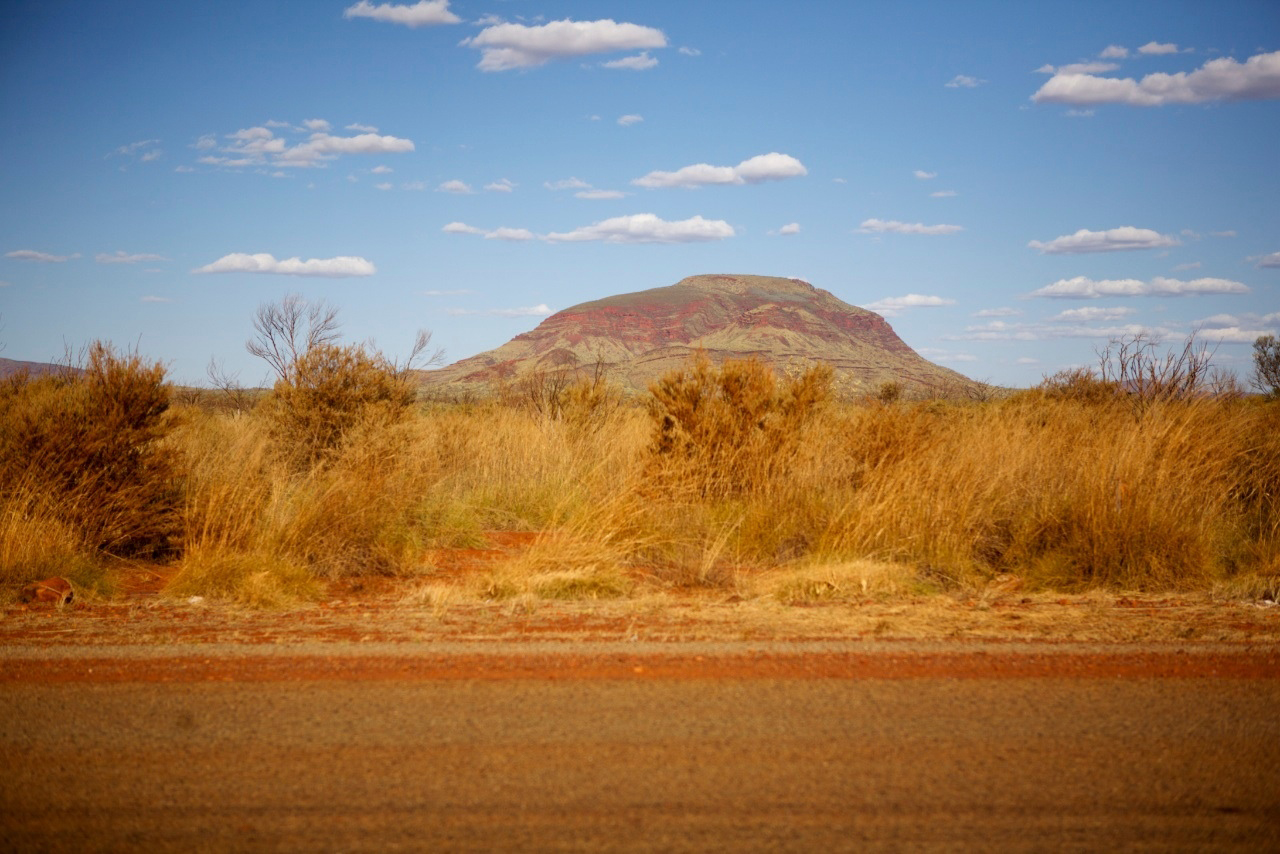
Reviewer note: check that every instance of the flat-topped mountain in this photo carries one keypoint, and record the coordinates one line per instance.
(638, 337)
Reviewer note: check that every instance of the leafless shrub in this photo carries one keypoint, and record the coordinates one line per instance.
(1134, 364)
(1266, 365)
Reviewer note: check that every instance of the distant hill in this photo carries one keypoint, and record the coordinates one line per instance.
(9, 367)
(638, 337)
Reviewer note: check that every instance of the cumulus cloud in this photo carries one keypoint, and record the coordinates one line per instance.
(640, 62)
(424, 13)
(260, 146)
(1114, 51)
(923, 175)
(122, 257)
(362, 128)
(630, 119)
(788, 229)
(596, 195)
(1082, 287)
(382, 170)
(963, 81)
(33, 255)
(342, 266)
(997, 312)
(502, 185)
(763, 167)
(1224, 79)
(647, 228)
(508, 46)
(942, 194)
(1272, 260)
(502, 233)
(1154, 48)
(541, 310)
(1111, 240)
(892, 306)
(1232, 329)
(690, 51)
(892, 226)
(317, 125)
(384, 186)
(143, 149)
(455, 186)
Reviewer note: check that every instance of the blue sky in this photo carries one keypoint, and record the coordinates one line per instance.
(1011, 184)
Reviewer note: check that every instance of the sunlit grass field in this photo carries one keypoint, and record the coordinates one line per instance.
(722, 478)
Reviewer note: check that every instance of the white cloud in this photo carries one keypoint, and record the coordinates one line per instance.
(455, 186)
(567, 184)
(384, 186)
(788, 229)
(205, 142)
(33, 255)
(1272, 260)
(541, 310)
(362, 128)
(997, 312)
(600, 194)
(1112, 240)
(1026, 360)
(422, 14)
(1222, 79)
(382, 170)
(1154, 48)
(341, 267)
(1081, 287)
(998, 330)
(925, 176)
(502, 185)
(690, 51)
(502, 233)
(1078, 68)
(892, 226)
(893, 306)
(943, 194)
(1091, 314)
(647, 228)
(1079, 114)
(630, 119)
(507, 46)
(183, 168)
(762, 167)
(1114, 51)
(317, 125)
(1190, 265)
(964, 81)
(417, 186)
(640, 62)
(259, 146)
(322, 146)
(122, 257)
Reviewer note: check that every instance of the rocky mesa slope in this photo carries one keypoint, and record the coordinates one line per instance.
(638, 337)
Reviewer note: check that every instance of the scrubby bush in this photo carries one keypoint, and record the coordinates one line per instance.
(86, 447)
(732, 429)
(1266, 365)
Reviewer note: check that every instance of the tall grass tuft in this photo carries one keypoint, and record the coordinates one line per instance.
(85, 451)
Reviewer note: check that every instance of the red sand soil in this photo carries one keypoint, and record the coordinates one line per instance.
(961, 636)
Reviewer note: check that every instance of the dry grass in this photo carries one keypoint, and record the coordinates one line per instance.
(731, 481)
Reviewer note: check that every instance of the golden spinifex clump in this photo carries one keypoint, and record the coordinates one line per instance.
(732, 429)
(82, 451)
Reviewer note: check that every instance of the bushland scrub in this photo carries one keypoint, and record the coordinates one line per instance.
(729, 479)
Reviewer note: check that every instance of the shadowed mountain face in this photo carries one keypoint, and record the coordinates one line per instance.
(638, 337)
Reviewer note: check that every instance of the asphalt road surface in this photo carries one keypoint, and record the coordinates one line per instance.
(616, 761)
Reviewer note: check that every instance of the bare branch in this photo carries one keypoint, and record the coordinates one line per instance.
(288, 329)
